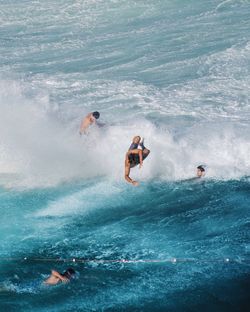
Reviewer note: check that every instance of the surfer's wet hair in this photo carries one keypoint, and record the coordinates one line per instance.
(201, 168)
(69, 272)
(96, 115)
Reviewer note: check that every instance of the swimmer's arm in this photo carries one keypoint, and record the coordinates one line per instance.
(58, 275)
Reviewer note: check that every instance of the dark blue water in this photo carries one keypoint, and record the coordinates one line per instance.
(200, 223)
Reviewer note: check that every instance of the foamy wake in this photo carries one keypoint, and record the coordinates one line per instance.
(39, 150)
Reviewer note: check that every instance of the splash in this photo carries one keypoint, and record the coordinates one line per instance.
(38, 149)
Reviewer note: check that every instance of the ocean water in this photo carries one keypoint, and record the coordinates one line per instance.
(178, 74)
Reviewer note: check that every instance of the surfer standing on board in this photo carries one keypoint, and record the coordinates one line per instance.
(136, 154)
(87, 121)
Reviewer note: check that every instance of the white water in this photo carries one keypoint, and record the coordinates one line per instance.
(40, 144)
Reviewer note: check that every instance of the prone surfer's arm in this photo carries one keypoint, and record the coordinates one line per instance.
(60, 276)
(56, 274)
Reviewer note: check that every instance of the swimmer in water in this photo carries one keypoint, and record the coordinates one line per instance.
(200, 171)
(136, 154)
(56, 277)
(87, 121)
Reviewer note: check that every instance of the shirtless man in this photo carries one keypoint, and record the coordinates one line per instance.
(87, 121)
(134, 157)
(56, 277)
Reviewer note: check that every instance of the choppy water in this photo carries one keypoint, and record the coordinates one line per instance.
(175, 72)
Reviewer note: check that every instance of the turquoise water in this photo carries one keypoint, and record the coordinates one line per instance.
(174, 72)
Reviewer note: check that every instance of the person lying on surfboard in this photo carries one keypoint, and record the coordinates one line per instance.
(136, 154)
(87, 121)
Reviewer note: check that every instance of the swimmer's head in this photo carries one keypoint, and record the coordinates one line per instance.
(200, 171)
(69, 273)
(137, 139)
(96, 115)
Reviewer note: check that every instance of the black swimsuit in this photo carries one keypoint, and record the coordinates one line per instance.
(134, 159)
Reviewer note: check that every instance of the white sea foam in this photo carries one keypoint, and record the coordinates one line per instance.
(40, 150)
(81, 202)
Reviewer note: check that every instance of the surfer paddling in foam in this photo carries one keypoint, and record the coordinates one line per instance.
(87, 121)
(135, 156)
